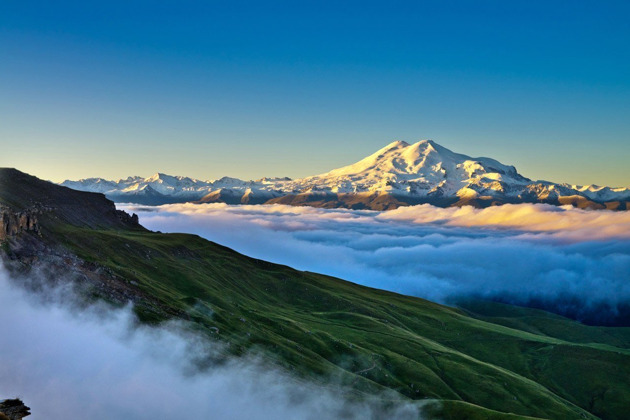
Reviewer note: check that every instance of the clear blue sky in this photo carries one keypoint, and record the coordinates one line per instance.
(294, 88)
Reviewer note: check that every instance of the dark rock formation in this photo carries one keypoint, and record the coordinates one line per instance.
(13, 409)
(22, 193)
(12, 223)
(131, 220)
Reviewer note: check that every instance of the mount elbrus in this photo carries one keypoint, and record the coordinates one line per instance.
(397, 175)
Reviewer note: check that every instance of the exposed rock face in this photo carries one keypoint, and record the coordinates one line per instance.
(26, 194)
(13, 409)
(124, 217)
(12, 223)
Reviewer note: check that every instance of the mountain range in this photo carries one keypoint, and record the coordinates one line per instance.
(398, 174)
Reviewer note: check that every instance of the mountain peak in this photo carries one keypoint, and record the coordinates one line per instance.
(398, 144)
(429, 145)
(422, 169)
(398, 157)
(157, 176)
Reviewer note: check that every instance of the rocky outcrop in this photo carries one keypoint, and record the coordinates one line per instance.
(131, 220)
(54, 204)
(13, 223)
(13, 409)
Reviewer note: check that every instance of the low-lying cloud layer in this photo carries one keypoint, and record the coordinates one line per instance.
(571, 261)
(95, 363)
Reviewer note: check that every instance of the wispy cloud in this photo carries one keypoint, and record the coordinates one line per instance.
(573, 261)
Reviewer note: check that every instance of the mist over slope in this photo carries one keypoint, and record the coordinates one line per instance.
(71, 362)
(397, 175)
(570, 261)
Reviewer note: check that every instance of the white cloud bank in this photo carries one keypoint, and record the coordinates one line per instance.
(572, 261)
(95, 364)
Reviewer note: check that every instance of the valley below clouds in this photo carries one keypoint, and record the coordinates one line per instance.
(569, 261)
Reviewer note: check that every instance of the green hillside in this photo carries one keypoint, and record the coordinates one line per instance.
(482, 361)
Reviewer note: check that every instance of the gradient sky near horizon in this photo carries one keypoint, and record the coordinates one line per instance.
(251, 89)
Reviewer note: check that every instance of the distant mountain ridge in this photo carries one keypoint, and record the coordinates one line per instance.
(398, 174)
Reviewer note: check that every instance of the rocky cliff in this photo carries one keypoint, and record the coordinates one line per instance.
(13, 409)
(28, 203)
(12, 223)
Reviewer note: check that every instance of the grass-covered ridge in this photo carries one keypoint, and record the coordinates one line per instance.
(484, 361)
(321, 325)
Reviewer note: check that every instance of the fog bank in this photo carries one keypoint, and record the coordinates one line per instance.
(574, 262)
(95, 363)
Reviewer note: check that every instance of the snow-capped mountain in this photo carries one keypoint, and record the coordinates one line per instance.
(161, 189)
(398, 174)
(420, 169)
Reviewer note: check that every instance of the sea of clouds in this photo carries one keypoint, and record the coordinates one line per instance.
(571, 261)
(67, 361)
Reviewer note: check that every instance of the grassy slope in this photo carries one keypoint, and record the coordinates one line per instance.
(371, 338)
